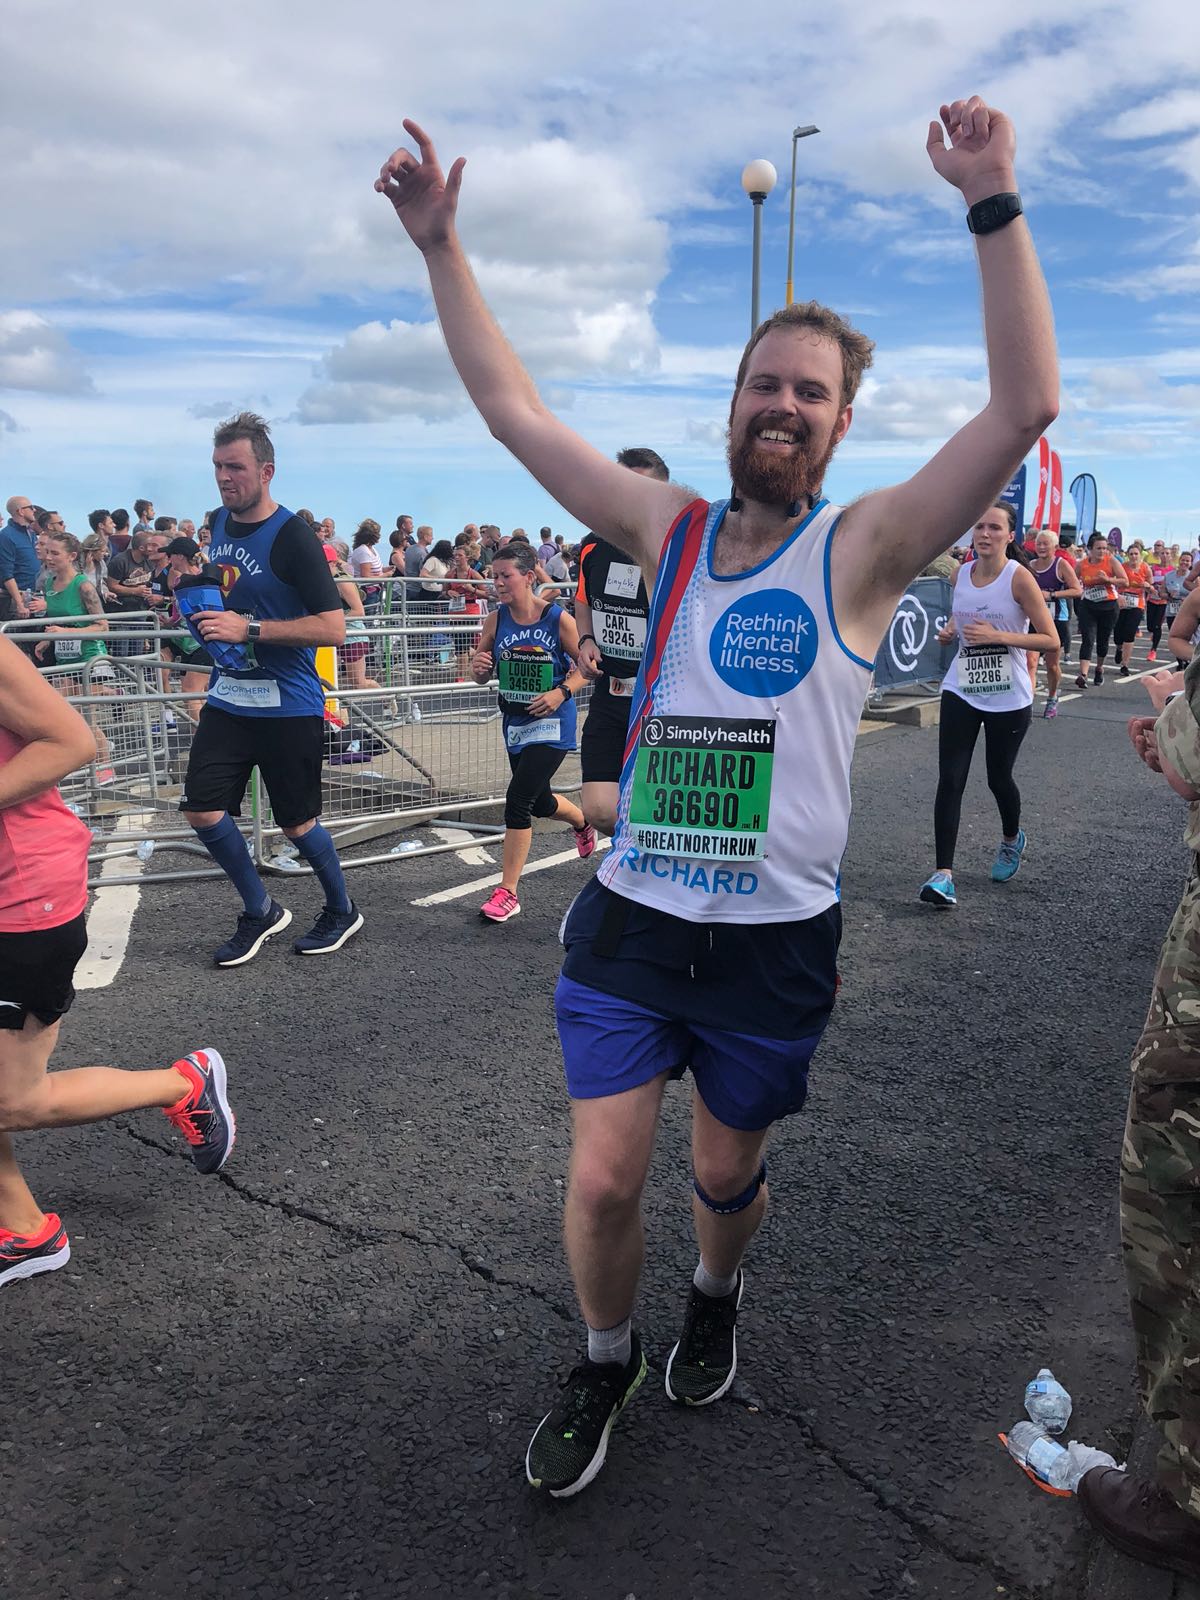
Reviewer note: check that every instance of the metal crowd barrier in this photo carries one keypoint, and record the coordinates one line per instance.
(423, 745)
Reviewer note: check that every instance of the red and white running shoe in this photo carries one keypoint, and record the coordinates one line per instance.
(500, 905)
(25, 1255)
(585, 841)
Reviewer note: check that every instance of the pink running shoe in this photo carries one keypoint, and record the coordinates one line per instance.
(500, 905)
(585, 841)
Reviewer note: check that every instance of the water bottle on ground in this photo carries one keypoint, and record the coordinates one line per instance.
(1047, 1403)
(1054, 1466)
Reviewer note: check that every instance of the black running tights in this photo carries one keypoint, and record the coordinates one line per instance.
(529, 794)
(957, 733)
(1154, 622)
(1097, 618)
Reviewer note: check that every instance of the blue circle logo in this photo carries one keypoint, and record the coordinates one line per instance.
(765, 644)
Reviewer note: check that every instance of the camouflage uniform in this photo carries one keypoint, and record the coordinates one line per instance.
(1160, 1158)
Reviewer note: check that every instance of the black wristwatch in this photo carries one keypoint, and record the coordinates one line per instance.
(566, 691)
(253, 631)
(997, 211)
(587, 638)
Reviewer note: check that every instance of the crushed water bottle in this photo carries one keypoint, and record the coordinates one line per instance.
(1054, 1466)
(405, 847)
(1047, 1403)
(145, 849)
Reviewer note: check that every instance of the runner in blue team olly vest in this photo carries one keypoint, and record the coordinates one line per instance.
(280, 603)
(708, 939)
(531, 648)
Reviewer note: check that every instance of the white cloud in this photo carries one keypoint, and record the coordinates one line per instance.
(1169, 113)
(35, 355)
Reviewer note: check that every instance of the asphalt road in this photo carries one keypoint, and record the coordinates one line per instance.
(316, 1375)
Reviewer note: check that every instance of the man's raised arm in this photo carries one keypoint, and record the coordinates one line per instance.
(632, 511)
(900, 530)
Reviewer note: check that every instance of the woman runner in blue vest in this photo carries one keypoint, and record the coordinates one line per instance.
(531, 648)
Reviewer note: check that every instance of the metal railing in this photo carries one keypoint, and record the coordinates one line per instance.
(415, 743)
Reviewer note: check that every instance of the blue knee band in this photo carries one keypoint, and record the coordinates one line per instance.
(726, 1208)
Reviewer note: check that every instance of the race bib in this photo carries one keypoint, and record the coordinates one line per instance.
(702, 787)
(623, 581)
(621, 688)
(67, 649)
(619, 635)
(524, 675)
(986, 669)
(251, 694)
(458, 602)
(547, 730)
(1131, 602)
(1096, 591)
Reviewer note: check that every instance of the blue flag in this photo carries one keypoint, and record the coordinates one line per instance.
(1083, 492)
(1013, 494)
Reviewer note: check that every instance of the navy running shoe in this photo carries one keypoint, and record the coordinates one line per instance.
(252, 933)
(203, 1115)
(329, 932)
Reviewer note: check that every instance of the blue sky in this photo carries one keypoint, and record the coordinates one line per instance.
(191, 229)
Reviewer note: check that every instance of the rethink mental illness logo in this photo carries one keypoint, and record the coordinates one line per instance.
(765, 644)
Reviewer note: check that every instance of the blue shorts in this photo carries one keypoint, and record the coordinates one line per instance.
(610, 1045)
(744, 1006)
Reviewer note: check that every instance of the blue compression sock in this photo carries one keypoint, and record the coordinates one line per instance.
(231, 853)
(318, 849)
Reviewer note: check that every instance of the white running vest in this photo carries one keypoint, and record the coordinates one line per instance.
(735, 791)
(989, 677)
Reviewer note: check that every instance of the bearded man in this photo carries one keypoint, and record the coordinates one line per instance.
(709, 937)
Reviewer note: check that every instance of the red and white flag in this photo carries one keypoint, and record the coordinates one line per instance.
(1055, 522)
(1043, 480)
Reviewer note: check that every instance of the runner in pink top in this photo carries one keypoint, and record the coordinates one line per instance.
(43, 893)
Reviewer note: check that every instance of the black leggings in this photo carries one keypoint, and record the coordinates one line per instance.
(1097, 619)
(957, 733)
(1154, 621)
(1063, 627)
(529, 794)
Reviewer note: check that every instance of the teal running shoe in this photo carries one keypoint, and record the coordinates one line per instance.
(1008, 858)
(939, 890)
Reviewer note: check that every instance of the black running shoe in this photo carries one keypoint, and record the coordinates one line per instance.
(701, 1367)
(203, 1115)
(25, 1255)
(569, 1446)
(252, 933)
(329, 932)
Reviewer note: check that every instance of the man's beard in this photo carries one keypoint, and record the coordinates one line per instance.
(776, 480)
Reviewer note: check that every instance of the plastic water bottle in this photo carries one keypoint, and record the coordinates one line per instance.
(1047, 1403)
(145, 849)
(405, 847)
(1055, 1466)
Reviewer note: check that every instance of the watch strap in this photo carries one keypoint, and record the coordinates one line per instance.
(997, 211)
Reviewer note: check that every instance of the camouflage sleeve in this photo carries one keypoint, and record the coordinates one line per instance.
(1177, 730)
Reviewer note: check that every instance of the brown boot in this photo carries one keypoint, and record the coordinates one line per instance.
(1141, 1519)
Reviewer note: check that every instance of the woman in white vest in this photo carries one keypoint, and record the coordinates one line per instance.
(999, 614)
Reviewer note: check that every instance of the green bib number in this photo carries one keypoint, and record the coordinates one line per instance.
(524, 676)
(702, 787)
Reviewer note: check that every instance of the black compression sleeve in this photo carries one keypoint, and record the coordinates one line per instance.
(297, 559)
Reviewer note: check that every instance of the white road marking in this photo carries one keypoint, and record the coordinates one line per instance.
(474, 855)
(110, 919)
(490, 882)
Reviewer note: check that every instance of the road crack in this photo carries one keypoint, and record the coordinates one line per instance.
(358, 1237)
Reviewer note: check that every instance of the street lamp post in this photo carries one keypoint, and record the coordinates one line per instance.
(797, 134)
(758, 179)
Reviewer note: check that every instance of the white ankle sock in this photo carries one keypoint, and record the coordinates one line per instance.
(708, 1283)
(611, 1344)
